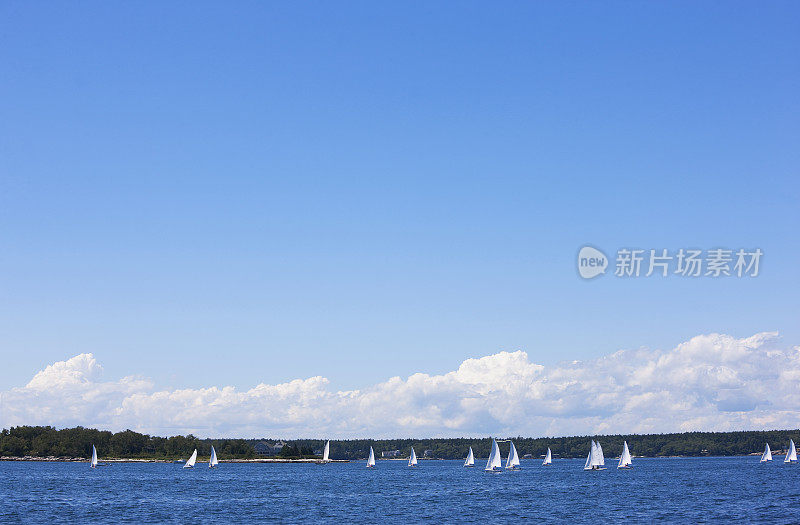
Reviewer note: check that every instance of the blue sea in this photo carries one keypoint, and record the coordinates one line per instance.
(680, 490)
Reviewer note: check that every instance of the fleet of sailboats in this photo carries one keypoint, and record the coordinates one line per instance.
(470, 461)
(594, 461)
(791, 454)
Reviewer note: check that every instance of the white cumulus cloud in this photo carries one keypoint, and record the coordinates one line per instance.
(711, 382)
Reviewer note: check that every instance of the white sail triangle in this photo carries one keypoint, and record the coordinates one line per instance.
(588, 464)
(791, 454)
(767, 455)
(94, 457)
(412, 459)
(371, 459)
(495, 461)
(326, 453)
(513, 458)
(548, 459)
(625, 458)
(192, 460)
(213, 461)
(470, 461)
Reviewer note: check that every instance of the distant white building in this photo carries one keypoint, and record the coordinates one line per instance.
(390, 454)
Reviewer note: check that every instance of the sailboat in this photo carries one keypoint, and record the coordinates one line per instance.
(412, 459)
(548, 459)
(93, 464)
(325, 454)
(791, 455)
(625, 458)
(767, 455)
(213, 461)
(470, 461)
(371, 458)
(495, 462)
(192, 460)
(595, 459)
(512, 463)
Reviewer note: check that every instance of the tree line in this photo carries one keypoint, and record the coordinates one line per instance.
(78, 441)
(651, 445)
(43, 441)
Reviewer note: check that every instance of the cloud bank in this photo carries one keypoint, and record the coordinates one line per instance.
(711, 382)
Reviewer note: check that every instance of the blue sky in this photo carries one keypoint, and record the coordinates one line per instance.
(212, 194)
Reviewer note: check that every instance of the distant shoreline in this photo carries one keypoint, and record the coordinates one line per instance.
(53, 459)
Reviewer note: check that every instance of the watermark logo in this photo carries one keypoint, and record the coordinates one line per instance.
(591, 262)
(684, 262)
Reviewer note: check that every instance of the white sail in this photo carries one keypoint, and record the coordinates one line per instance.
(412, 459)
(595, 455)
(326, 453)
(548, 459)
(791, 455)
(601, 460)
(513, 458)
(470, 461)
(767, 455)
(495, 460)
(371, 459)
(213, 461)
(625, 457)
(588, 464)
(94, 457)
(192, 460)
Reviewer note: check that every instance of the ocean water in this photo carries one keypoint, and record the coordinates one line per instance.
(681, 490)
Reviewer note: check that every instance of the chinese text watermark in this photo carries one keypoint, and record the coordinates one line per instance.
(684, 262)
